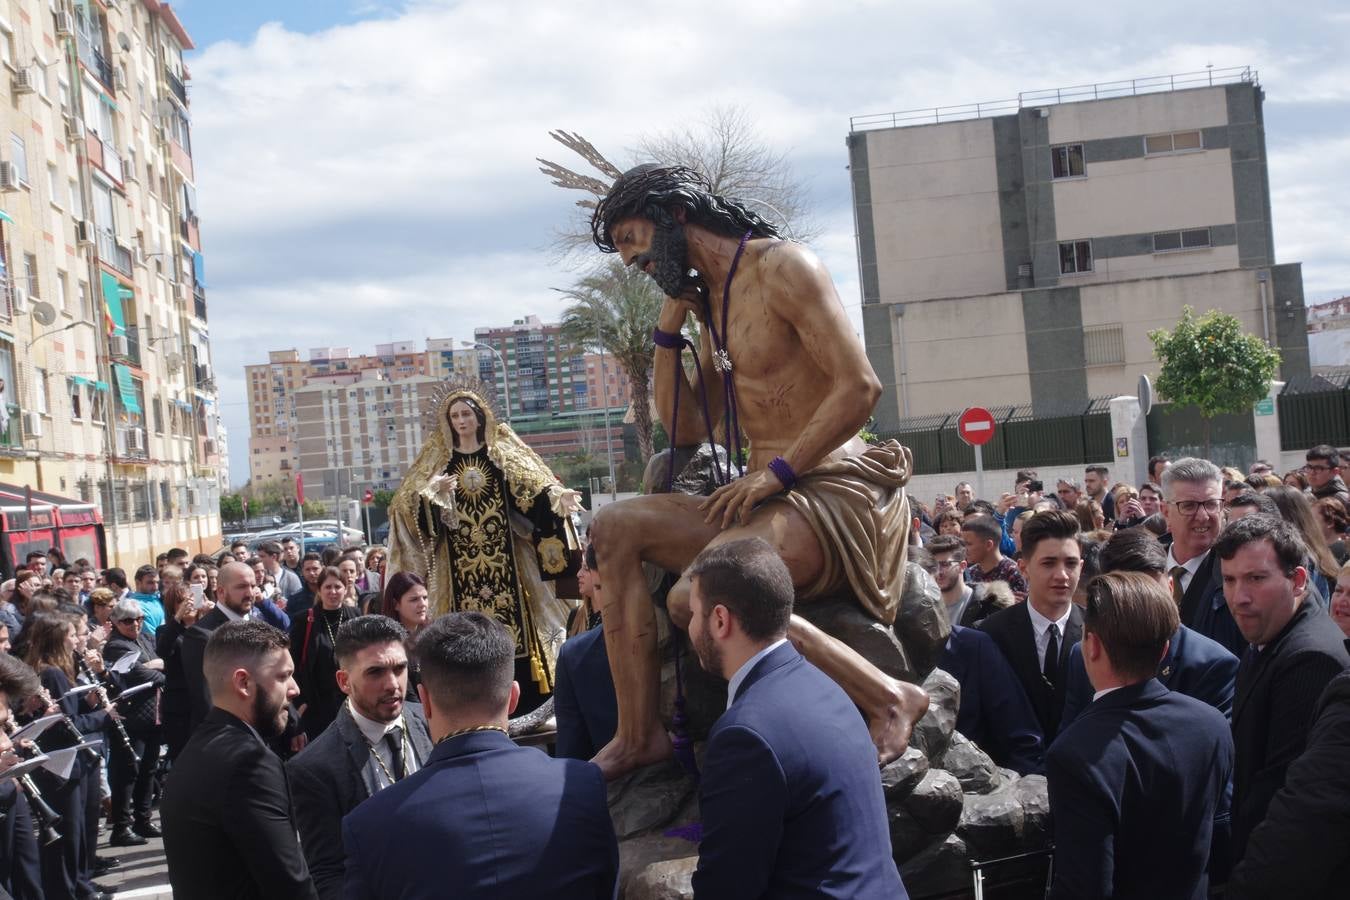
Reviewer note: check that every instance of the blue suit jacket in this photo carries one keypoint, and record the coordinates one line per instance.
(485, 820)
(1205, 610)
(584, 701)
(790, 797)
(995, 712)
(1194, 665)
(1134, 784)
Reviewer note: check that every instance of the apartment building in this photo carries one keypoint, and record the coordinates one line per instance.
(607, 383)
(108, 395)
(1019, 252)
(536, 372)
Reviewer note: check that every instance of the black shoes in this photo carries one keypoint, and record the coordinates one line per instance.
(123, 836)
(147, 829)
(104, 864)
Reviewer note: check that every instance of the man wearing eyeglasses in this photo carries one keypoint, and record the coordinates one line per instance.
(1193, 507)
(1323, 470)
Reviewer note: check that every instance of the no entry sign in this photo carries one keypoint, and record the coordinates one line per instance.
(976, 426)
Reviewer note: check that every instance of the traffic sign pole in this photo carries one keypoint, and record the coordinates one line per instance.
(979, 471)
(976, 427)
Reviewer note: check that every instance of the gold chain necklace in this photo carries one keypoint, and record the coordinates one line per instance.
(332, 639)
(455, 734)
(389, 776)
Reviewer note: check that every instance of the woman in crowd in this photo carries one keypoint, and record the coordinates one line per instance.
(1297, 510)
(313, 637)
(194, 576)
(1089, 514)
(350, 571)
(53, 643)
(181, 613)
(101, 602)
(1296, 479)
(1335, 519)
(26, 584)
(1340, 601)
(372, 579)
(405, 601)
(949, 522)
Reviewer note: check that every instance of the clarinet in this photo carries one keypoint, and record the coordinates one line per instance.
(74, 729)
(122, 735)
(44, 816)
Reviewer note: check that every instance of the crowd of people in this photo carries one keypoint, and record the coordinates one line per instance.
(1170, 656)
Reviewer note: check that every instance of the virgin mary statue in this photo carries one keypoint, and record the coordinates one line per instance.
(485, 522)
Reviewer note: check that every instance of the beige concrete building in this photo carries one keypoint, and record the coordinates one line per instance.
(105, 353)
(1020, 252)
(271, 441)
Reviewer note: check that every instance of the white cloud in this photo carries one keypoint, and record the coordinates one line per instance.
(377, 179)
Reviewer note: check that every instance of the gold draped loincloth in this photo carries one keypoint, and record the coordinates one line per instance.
(858, 511)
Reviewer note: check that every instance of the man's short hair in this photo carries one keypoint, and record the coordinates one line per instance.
(271, 548)
(355, 635)
(286, 540)
(1290, 550)
(36, 554)
(1025, 475)
(961, 484)
(1071, 482)
(467, 661)
(751, 580)
(1150, 486)
(1324, 453)
(1190, 470)
(1262, 503)
(947, 543)
(115, 578)
(1133, 550)
(985, 528)
(171, 571)
(1154, 461)
(1090, 552)
(239, 645)
(1097, 470)
(176, 553)
(311, 555)
(146, 571)
(234, 544)
(1134, 617)
(1053, 524)
(981, 507)
(950, 514)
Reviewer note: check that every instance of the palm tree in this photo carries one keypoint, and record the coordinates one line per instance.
(616, 308)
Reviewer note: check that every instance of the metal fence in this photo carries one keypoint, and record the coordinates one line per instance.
(1315, 410)
(1023, 439)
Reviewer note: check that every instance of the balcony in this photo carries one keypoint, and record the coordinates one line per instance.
(176, 86)
(104, 155)
(133, 345)
(199, 302)
(11, 438)
(112, 253)
(94, 60)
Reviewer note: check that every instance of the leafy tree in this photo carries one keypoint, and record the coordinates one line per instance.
(1211, 364)
(231, 508)
(615, 307)
(317, 509)
(383, 498)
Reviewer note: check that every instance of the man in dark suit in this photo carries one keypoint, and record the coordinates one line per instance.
(1302, 847)
(375, 741)
(584, 702)
(1035, 636)
(487, 818)
(226, 809)
(995, 712)
(1193, 507)
(234, 603)
(1193, 665)
(1296, 651)
(791, 802)
(1135, 781)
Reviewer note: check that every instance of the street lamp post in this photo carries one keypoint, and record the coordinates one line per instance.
(604, 398)
(506, 377)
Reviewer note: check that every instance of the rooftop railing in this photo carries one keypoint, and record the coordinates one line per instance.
(1155, 84)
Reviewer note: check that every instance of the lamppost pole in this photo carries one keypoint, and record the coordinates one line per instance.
(604, 398)
(506, 377)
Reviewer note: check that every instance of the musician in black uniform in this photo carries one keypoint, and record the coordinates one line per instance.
(132, 771)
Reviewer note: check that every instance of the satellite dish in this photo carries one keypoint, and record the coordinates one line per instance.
(174, 362)
(123, 41)
(1145, 394)
(44, 313)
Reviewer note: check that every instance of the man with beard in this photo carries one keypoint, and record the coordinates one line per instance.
(790, 799)
(234, 602)
(782, 366)
(375, 741)
(226, 810)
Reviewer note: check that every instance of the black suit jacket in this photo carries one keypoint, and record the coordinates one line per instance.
(1011, 630)
(192, 651)
(329, 778)
(228, 831)
(1134, 784)
(1277, 692)
(1302, 847)
(1204, 610)
(994, 712)
(584, 701)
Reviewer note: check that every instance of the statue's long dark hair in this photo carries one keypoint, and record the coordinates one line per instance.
(650, 191)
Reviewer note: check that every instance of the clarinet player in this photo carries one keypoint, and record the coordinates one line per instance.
(131, 775)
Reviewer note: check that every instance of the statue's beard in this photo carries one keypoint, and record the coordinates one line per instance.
(669, 255)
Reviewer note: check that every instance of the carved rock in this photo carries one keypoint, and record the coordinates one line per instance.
(650, 798)
(972, 766)
(844, 620)
(935, 803)
(934, 731)
(1034, 795)
(991, 824)
(942, 866)
(921, 622)
(900, 777)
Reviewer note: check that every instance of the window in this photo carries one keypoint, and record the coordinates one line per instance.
(1067, 161)
(1190, 239)
(1104, 345)
(19, 156)
(76, 398)
(30, 270)
(96, 405)
(6, 45)
(54, 185)
(1176, 142)
(63, 294)
(86, 311)
(1075, 257)
(159, 415)
(40, 390)
(76, 201)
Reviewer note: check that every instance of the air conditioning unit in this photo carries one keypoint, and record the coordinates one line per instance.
(19, 299)
(179, 292)
(74, 128)
(136, 439)
(25, 80)
(138, 256)
(84, 232)
(117, 345)
(32, 425)
(9, 176)
(119, 81)
(65, 24)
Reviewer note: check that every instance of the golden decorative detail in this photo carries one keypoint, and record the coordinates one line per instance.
(552, 555)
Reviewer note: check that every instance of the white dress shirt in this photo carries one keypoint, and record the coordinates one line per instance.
(1040, 628)
(374, 733)
(1102, 693)
(735, 683)
(1191, 566)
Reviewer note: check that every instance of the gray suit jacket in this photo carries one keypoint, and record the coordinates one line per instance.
(328, 779)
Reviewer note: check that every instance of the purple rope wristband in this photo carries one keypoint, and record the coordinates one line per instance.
(780, 468)
(666, 339)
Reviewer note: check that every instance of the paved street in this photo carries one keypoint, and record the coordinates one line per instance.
(143, 872)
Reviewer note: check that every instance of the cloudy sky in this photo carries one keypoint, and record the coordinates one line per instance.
(366, 169)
